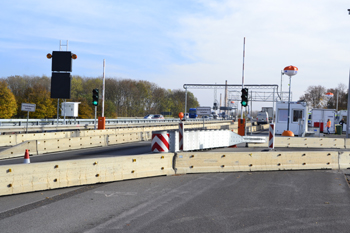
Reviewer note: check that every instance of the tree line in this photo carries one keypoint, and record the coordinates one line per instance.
(123, 97)
(315, 97)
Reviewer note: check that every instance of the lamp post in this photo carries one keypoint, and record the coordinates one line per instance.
(329, 95)
(290, 71)
(348, 106)
(281, 85)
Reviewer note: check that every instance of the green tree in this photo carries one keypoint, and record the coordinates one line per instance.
(39, 95)
(8, 106)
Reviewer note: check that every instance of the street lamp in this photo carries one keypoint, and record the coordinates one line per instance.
(329, 95)
(281, 85)
(290, 71)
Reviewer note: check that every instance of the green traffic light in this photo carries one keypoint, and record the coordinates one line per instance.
(244, 104)
(94, 103)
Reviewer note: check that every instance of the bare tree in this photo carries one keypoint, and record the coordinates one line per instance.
(315, 96)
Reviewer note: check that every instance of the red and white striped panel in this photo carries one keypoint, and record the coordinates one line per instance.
(181, 136)
(160, 141)
(272, 136)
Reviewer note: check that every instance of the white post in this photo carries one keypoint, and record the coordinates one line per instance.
(185, 103)
(348, 112)
(103, 88)
(27, 121)
(289, 103)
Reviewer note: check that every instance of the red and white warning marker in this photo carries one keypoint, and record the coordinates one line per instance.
(181, 136)
(160, 141)
(26, 157)
(272, 136)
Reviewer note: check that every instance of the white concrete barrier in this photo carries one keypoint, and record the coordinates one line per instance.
(344, 160)
(304, 142)
(23, 178)
(18, 150)
(124, 138)
(53, 145)
(187, 162)
(347, 143)
(14, 139)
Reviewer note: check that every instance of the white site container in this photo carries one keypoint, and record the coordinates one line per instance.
(342, 114)
(298, 117)
(319, 118)
(70, 109)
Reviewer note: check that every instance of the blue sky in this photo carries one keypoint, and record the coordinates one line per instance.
(172, 43)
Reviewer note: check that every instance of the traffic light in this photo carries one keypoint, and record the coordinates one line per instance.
(95, 97)
(244, 96)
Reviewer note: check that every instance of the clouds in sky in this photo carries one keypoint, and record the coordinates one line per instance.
(173, 43)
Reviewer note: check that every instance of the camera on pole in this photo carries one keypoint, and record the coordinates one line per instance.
(244, 100)
(95, 97)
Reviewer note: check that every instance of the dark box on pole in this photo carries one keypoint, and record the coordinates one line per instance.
(61, 61)
(60, 85)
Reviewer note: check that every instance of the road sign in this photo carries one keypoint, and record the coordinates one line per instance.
(28, 107)
(202, 111)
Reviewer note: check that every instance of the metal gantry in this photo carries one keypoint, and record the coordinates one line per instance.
(253, 95)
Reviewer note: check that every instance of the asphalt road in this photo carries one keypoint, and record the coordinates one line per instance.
(283, 201)
(279, 201)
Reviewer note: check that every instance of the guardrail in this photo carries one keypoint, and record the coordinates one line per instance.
(36, 122)
(47, 125)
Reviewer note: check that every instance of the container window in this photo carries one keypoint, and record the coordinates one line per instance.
(297, 114)
(282, 115)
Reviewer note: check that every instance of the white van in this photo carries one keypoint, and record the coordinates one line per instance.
(262, 118)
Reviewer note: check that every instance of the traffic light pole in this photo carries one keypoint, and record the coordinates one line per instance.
(95, 116)
(58, 108)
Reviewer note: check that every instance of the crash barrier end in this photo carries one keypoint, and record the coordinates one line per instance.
(21, 178)
(17, 151)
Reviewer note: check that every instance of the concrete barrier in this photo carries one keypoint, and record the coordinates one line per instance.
(53, 145)
(123, 138)
(18, 150)
(344, 160)
(187, 162)
(23, 178)
(8, 140)
(347, 143)
(304, 142)
(62, 144)
(14, 139)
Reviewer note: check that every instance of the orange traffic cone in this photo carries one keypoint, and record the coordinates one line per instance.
(26, 157)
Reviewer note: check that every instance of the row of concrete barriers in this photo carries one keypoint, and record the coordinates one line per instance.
(15, 139)
(61, 141)
(21, 178)
(41, 146)
(307, 142)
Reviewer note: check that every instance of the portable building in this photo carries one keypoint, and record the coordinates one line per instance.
(342, 114)
(70, 109)
(298, 117)
(319, 118)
